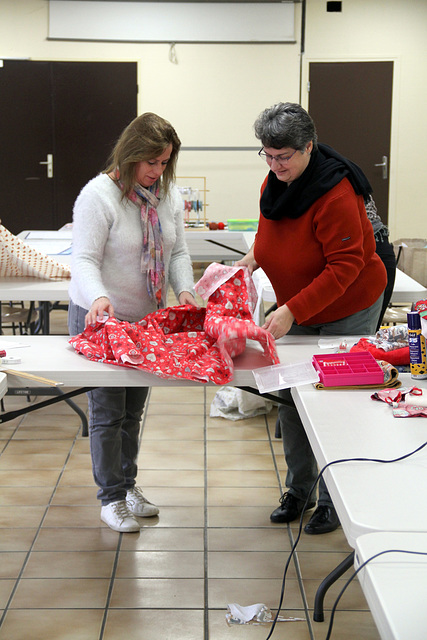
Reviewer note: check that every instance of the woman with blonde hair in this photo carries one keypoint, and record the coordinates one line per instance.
(128, 247)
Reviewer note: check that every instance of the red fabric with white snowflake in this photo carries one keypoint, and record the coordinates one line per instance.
(185, 342)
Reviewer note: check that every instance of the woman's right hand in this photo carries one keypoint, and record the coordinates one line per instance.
(279, 322)
(99, 307)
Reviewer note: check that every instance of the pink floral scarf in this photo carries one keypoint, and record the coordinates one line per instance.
(152, 261)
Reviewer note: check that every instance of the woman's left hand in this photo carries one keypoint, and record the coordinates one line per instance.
(185, 297)
(280, 321)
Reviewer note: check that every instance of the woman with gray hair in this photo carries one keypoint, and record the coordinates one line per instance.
(317, 246)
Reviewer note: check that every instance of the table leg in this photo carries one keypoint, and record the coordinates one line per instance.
(59, 396)
(42, 324)
(226, 246)
(328, 582)
(45, 324)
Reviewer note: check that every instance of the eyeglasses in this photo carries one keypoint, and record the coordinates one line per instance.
(280, 159)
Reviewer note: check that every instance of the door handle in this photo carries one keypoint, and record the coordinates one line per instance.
(49, 165)
(384, 165)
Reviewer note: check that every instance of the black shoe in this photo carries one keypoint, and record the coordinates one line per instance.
(323, 520)
(290, 508)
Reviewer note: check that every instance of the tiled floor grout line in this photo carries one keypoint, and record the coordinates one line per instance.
(12, 435)
(205, 515)
(110, 588)
(119, 542)
(30, 550)
(301, 584)
(276, 468)
(292, 541)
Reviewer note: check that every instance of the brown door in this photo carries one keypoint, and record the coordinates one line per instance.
(59, 121)
(350, 103)
(26, 196)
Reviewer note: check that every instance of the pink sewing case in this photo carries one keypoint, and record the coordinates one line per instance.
(348, 369)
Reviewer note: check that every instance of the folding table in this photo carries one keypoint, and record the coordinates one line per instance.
(52, 357)
(395, 583)
(368, 496)
(55, 244)
(29, 289)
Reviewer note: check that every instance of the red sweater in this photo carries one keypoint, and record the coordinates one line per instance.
(323, 265)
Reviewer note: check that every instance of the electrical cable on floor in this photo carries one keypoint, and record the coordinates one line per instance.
(291, 553)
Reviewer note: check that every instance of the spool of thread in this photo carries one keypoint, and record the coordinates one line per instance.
(417, 346)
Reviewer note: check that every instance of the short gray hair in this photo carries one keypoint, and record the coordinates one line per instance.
(286, 124)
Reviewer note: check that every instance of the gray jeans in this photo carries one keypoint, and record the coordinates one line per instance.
(302, 467)
(114, 423)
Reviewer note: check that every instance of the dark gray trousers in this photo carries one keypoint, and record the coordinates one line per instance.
(302, 467)
(114, 423)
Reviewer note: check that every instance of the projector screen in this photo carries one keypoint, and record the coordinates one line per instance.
(171, 21)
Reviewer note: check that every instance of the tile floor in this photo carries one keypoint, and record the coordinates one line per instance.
(65, 576)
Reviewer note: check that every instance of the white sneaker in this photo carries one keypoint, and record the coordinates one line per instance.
(138, 505)
(118, 517)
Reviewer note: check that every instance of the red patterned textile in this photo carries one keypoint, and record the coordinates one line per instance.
(185, 342)
(395, 356)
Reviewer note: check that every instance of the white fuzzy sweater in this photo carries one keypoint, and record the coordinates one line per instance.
(107, 241)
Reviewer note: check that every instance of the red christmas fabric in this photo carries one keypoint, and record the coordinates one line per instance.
(185, 342)
(395, 356)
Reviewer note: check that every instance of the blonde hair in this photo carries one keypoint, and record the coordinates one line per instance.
(145, 138)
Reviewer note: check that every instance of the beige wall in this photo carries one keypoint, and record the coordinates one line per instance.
(214, 92)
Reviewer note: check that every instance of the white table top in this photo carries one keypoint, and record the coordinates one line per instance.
(55, 243)
(33, 289)
(368, 496)
(34, 235)
(406, 289)
(395, 584)
(53, 358)
(201, 249)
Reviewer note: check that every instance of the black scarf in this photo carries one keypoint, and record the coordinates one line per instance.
(324, 171)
